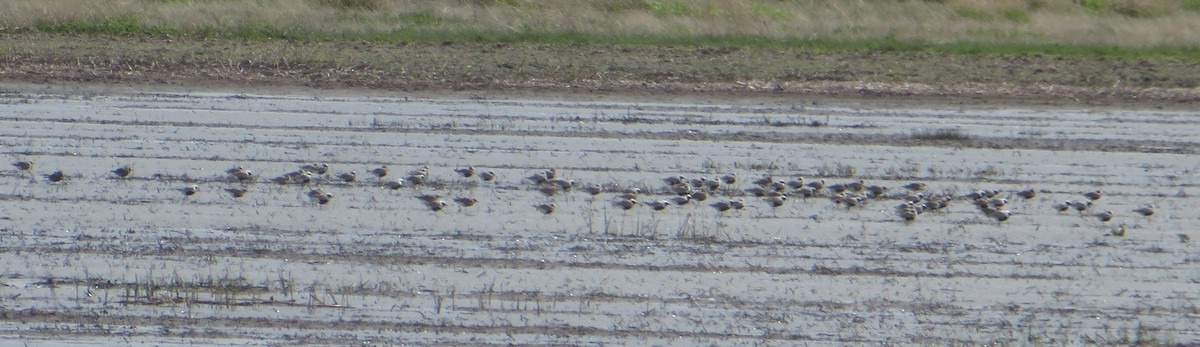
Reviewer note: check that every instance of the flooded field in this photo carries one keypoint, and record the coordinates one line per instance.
(103, 259)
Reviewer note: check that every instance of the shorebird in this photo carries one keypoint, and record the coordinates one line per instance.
(729, 179)
(436, 205)
(468, 172)
(594, 189)
(998, 202)
(816, 185)
(764, 181)
(320, 196)
(551, 174)
(625, 204)
(876, 190)
(487, 176)
(319, 168)
(777, 201)
(1081, 205)
(348, 177)
(658, 205)
(190, 190)
(1147, 210)
(239, 173)
(123, 171)
(538, 178)
(380, 171)
(548, 188)
(681, 189)
(395, 184)
(807, 192)
(417, 179)
(796, 183)
(56, 176)
(721, 206)
(1104, 216)
(737, 204)
(757, 191)
(237, 192)
(675, 180)
(428, 198)
(1002, 215)
(1027, 194)
(631, 193)
(23, 165)
(1093, 195)
(1064, 206)
(698, 195)
(682, 200)
(465, 201)
(545, 208)
(915, 186)
(563, 184)
(779, 186)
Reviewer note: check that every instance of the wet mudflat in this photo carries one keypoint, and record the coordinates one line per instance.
(105, 259)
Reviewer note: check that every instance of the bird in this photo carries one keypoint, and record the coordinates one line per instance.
(1027, 194)
(1064, 206)
(468, 172)
(658, 205)
(777, 201)
(563, 184)
(816, 185)
(319, 168)
(348, 177)
(1147, 210)
(23, 165)
(239, 173)
(436, 205)
(674, 180)
(380, 171)
(538, 178)
(320, 196)
(237, 192)
(915, 186)
(465, 201)
(429, 197)
(594, 189)
(123, 171)
(394, 184)
(190, 190)
(1104, 216)
(1002, 215)
(487, 176)
(1095, 195)
(721, 206)
(1081, 205)
(876, 190)
(698, 195)
(737, 204)
(682, 200)
(625, 204)
(57, 176)
(631, 193)
(729, 179)
(764, 181)
(545, 208)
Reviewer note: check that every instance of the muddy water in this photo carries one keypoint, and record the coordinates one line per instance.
(103, 259)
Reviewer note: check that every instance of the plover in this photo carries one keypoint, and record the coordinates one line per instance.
(348, 177)
(124, 171)
(380, 172)
(318, 168)
(545, 208)
(1094, 195)
(57, 176)
(468, 172)
(190, 190)
(1147, 210)
(23, 165)
(487, 176)
(237, 192)
(465, 201)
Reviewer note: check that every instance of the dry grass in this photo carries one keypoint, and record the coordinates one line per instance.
(1124, 23)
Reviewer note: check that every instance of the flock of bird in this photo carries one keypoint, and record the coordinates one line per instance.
(914, 199)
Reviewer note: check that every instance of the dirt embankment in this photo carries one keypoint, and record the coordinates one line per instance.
(1155, 82)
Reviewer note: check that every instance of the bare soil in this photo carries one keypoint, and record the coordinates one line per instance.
(606, 69)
